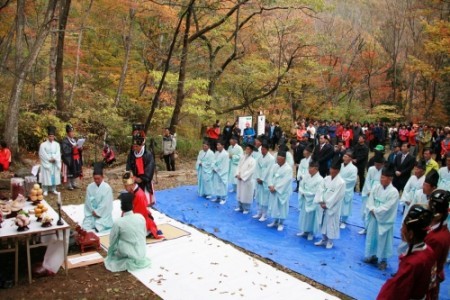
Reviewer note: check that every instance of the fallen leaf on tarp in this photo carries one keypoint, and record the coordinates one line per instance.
(108, 290)
(116, 290)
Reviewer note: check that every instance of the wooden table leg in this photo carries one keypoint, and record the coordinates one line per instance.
(16, 267)
(65, 250)
(29, 259)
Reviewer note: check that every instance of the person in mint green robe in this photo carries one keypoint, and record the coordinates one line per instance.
(235, 153)
(264, 165)
(98, 203)
(381, 212)
(280, 187)
(307, 221)
(220, 173)
(444, 175)
(204, 167)
(349, 172)
(127, 242)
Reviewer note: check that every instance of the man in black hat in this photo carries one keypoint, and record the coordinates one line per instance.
(50, 156)
(140, 161)
(323, 153)
(98, 203)
(72, 167)
(414, 184)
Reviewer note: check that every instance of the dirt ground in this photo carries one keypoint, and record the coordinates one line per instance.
(95, 282)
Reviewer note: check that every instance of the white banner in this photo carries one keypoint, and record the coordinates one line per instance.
(261, 124)
(243, 121)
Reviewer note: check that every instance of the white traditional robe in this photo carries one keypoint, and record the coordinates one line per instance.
(414, 184)
(263, 170)
(303, 168)
(246, 186)
(372, 179)
(205, 172)
(444, 179)
(349, 173)
(418, 198)
(331, 192)
(257, 154)
(281, 180)
(99, 199)
(50, 173)
(220, 173)
(380, 225)
(235, 152)
(308, 208)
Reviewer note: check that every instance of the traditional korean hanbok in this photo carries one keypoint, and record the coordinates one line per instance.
(306, 192)
(127, 249)
(99, 199)
(220, 174)
(234, 152)
(264, 165)
(303, 168)
(380, 225)
(204, 167)
(245, 186)
(349, 173)
(331, 192)
(414, 184)
(280, 179)
(444, 179)
(257, 154)
(372, 179)
(50, 172)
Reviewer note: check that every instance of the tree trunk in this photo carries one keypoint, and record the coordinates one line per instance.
(20, 28)
(53, 57)
(5, 47)
(182, 73)
(60, 101)
(12, 115)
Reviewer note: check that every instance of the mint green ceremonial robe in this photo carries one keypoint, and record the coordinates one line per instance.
(220, 173)
(99, 199)
(307, 190)
(235, 152)
(204, 167)
(263, 170)
(281, 180)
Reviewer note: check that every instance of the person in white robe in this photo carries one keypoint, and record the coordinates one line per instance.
(329, 197)
(372, 179)
(245, 180)
(220, 174)
(264, 165)
(98, 203)
(235, 153)
(307, 222)
(50, 156)
(289, 157)
(280, 187)
(204, 167)
(303, 166)
(381, 211)
(349, 172)
(258, 144)
(415, 183)
(444, 175)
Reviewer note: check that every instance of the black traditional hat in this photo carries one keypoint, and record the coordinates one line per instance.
(51, 130)
(98, 169)
(336, 163)
(262, 138)
(432, 178)
(439, 201)
(265, 145)
(234, 137)
(69, 128)
(281, 154)
(378, 158)
(388, 170)
(126, 201)
(418, 218)
(138, 139)
(421, 164)
(251, 146)
(206, 142)
(283, 147)
(313, 164)
(309, 148)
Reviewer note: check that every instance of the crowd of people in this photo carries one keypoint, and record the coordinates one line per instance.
(330, 162)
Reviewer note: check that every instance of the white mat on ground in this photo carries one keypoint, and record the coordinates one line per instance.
(200, 266)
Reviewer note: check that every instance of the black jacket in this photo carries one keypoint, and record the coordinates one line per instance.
(149, 169)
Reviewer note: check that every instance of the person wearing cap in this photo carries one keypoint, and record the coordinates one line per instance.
(140, 205)
(98, 204)
(245, 188)
(72, 167)
(127, 244)
(204, 168)
(323, 153)
(279, 183)
(404, 164)
(141, 163)
(360, 158)
(378, 149)
(414, 184)
(307, 221)
(262, 172)
(394, 152)
(50, 157)
(438, 237)
(235, 153)
(329, 197)
(289, 158)
(220, 173)
(417, 265)
(372, 179)
(444, 175)
(381, 211)
(349, 173)
(430, 162)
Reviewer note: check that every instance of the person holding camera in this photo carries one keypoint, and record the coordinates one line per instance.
(169, 146)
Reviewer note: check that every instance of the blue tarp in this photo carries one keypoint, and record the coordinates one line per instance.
(340, 268)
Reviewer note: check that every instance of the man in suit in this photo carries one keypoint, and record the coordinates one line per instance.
(323, 153)
(360, 157)
(404, 163)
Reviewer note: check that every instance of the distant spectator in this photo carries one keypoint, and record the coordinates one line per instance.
(5, 156)
(169, 146)
(213, 134)
(109, 156)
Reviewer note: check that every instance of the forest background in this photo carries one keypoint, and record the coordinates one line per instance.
(105, 64)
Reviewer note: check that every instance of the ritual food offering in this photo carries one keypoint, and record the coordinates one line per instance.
(17, 187)
(30, 181)
(22, 221)
(39, 211)
(46, 220)
(36, 194)
(16, 206)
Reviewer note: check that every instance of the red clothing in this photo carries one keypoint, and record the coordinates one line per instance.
(339, 131)
(140, 207)
(412, 281)
(439, 240)
(403, 135)
(445, 147)
(346, 137)
(5, 158)
(213, 132)
(412, 138)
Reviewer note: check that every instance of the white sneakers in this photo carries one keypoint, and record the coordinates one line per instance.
(263, 218)
(320, 243)
(362, 231)
(222, 202)
(329, 245)
(257, 216)
(342, 226)
(280, 227)
(310, 237)
(237, 209)
(301, 234)
(208, 197)
(273, 224)
(245, 212)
